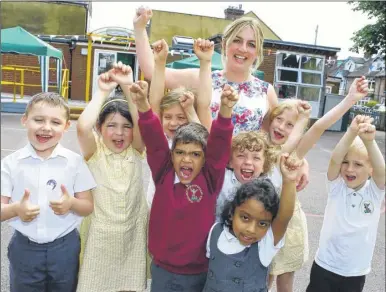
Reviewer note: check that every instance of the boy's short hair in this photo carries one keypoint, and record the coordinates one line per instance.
(291, 103)
(50, 98)
(172, 97)
(191, 133)
(256, 141)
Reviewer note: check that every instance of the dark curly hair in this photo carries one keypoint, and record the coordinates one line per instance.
(191, 133)
(260, 189)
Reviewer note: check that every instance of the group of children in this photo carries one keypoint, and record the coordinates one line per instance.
(221, 207)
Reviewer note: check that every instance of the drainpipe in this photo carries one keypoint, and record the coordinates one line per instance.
(71, 48)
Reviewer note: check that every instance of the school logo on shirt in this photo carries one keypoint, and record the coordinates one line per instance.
(52, 184)
(194, 193)
(367, 207)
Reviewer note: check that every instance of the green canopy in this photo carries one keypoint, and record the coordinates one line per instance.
(194, 62)
(19, 41)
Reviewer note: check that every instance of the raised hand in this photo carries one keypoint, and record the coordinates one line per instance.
(304, 108)
(142, 17)
(160, 51)
(366, 132)
(64, 204)
(121, 74)
(229, 96)
(358, 89)
(105, 83)
(289, 166)
(203, 49)
(359, 119)
(25, 210)
(187, 100)
(138, 93)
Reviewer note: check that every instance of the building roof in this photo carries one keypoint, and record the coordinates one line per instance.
(357, 60)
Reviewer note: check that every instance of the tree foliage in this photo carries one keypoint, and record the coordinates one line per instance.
(371, 38)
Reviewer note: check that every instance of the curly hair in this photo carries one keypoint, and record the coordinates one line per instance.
(260, 189)
(256, 141)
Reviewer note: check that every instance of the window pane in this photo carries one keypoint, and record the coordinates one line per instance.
(311, 78)
(285, 91)
(312, 63)
(309, 93)
(286, 75)
(288, 60)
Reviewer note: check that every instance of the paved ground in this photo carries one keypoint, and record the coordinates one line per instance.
(313, 200)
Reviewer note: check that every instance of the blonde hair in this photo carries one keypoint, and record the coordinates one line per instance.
(358, 146)
(287, 104)
(235, 27)
(52, 99)
(256, 141)
(172, 97)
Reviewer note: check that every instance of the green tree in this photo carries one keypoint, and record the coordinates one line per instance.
(371, 38)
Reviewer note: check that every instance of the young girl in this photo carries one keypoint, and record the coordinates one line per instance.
(114, 237)
(281, 131)
(241, 249)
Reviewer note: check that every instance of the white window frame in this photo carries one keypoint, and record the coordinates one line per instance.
(315, 104)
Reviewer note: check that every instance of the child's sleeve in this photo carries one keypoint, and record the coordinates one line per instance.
(218, 149)
(157, 148)
(267, 250)
(334, 187)
(377, 193)
(84, 179)
(6, 180)
(208, 241)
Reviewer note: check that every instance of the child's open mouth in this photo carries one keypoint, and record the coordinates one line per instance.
(118, 143)
(186, 172)
(43, 138)
(277, 135)
(350, 177)
(246, 174)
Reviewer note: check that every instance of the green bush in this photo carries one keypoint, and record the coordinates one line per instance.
(371, 103)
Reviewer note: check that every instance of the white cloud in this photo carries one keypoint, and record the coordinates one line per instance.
(292, 21)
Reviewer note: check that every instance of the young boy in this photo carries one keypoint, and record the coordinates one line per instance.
(188, 179)
(349, 231)
(45, 189)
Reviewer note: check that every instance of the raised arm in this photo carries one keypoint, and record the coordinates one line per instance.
(304, 110)
(187, 104)
(174, 78)
(204, 51)
(358, 90)
(342, 147)
(367, 133)
(289, 168)
(157, 147)
(157, 85)
(87, 120)
(123, 75)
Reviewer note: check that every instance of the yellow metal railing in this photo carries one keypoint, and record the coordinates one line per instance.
(32, 69)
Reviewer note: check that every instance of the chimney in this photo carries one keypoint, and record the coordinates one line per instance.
(233, 12)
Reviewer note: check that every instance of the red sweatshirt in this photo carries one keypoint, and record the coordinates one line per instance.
(182, 215)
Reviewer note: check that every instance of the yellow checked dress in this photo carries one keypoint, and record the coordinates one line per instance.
(292, 256)
(114, 236)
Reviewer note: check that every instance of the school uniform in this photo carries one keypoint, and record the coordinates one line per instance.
(235, 267)
(44, 253)
(347, 238)
(182, 215)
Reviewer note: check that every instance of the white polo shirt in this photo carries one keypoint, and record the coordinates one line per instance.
(23, 169)
(349, 231)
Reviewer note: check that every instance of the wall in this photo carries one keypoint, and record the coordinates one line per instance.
(168, 24)
(44, 18)
(30, 77)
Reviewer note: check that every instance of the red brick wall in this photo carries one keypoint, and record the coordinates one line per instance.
(268, 65)
(30, 77)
